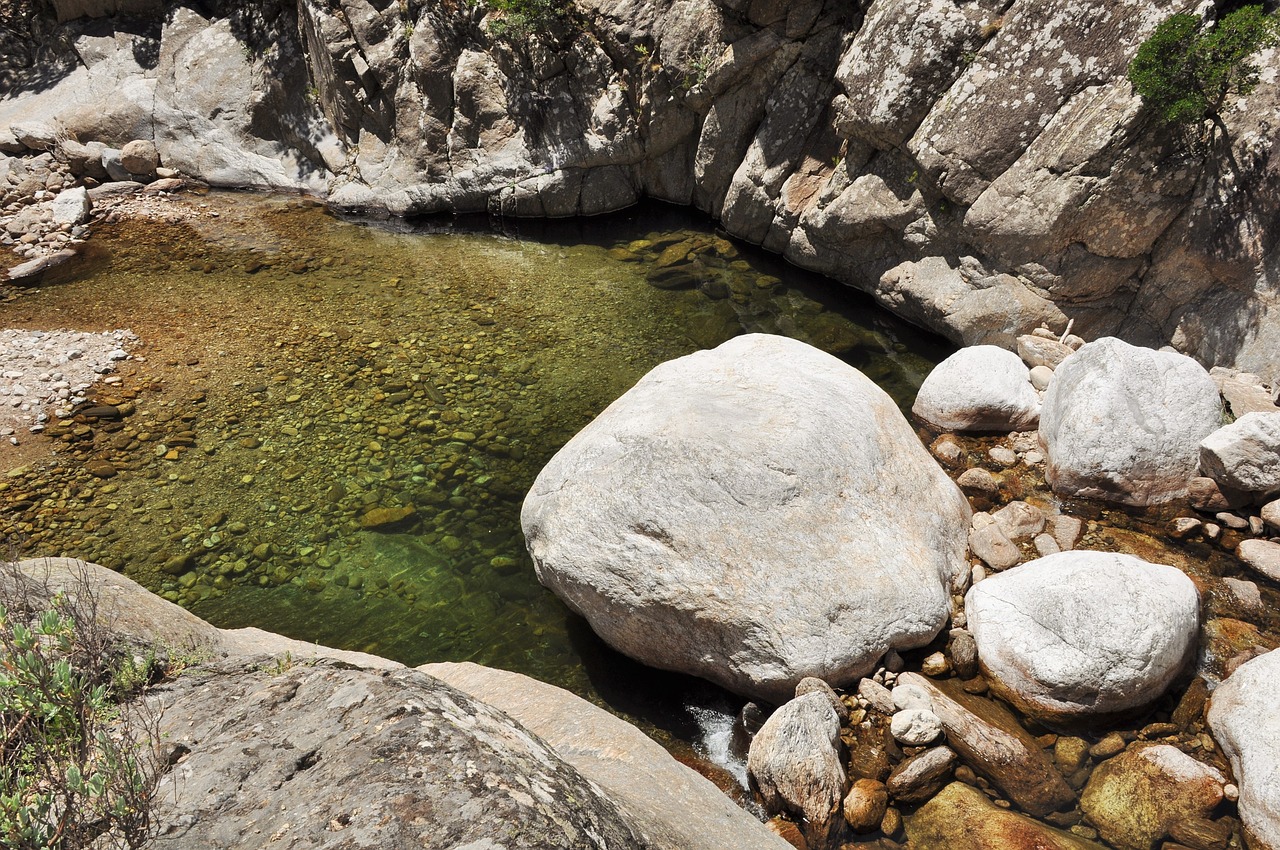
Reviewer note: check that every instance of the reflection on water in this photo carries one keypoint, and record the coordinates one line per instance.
(335, 424)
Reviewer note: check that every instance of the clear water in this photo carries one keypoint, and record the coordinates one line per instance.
(302, 371)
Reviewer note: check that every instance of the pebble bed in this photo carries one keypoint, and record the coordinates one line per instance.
(48, 373)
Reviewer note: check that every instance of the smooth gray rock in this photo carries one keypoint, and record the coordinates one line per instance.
(980, 388)
(113, 164)
(1124, 423)
(794, 761)
(1081, 633)
(307, 755)
(1245, 455)
(140, 158)
(915, 727)
(668, 804)
(1242, 714)
(727, 517)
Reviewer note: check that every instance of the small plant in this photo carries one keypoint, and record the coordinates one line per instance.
(76, 766)
(313, 94)
(1187, 71)
(523, 18)
(642, 50)
(407, 30)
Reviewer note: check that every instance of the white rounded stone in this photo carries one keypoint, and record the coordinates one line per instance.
(980, 388)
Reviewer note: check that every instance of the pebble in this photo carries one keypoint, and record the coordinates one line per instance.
(915, 727)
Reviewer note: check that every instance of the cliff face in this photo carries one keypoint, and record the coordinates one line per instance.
(980, 167)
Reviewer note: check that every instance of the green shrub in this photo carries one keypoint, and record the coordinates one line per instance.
(1187, 72)
(522, 18)
(75, 770)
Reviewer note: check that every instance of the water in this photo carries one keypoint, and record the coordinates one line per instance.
(306, 377)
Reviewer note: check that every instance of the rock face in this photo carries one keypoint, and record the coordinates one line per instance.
(1124, 423)
(962, 816)
(794, 762)
(981, 388)
(984, 167)
(1080, 633)
(753, 515)
(419, 764)
(668, 805)
(1134, 798)
(1245, 455)
(1246, 725)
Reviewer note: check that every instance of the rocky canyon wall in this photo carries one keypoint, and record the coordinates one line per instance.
(980, 167)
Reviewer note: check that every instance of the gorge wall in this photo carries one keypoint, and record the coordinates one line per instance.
(979, 167)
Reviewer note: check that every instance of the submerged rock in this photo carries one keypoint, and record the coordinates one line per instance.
(1242, 714)
(1124, 423)
(980, 388)
(962, 816)
(753, 515)
(1081, 633)
(1136, 797)
(994, 744)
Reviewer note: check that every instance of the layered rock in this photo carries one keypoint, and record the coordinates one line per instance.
(753, 515)
(980, 388)
(962, 816)
(1124, 423)
(983, 167)
(1080, 633)
(1246, 725)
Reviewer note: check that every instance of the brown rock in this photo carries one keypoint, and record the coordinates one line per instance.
(100, 469)
(865, 805)
(962, 818)
(992, 741)
(917, 778)
(384, 517)
(1201, 833)
(1134, 798)
(978, 481)
(1204, 494)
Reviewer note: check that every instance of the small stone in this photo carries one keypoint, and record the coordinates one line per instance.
(1184, 527)
(1004, 456)
(877, 696)
(915, 727)
(947, 450)
(382, 517)
(100, 469)
(1231, 520)
(1070, 753)
(964, 653)
(865, 805)
(1040, 377)
(1270, 514)
(1262, 556)
(1112, 744)
(935, 665)
(919, 777)
(1046, 545)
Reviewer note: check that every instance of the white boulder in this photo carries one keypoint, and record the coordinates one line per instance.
(1081, 633)
(71, 207)
(980, 388)
(1124, 423)
(1245, 455)
(753, 514)
(1245, 723)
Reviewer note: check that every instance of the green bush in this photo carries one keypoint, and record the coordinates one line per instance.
(74, 769)
(522, 18)
(1187, 71)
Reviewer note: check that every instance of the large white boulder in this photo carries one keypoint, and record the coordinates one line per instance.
(1124, 423)
(1081, 633)
(980, 388)
(1245, 723)
(753, 514)
(1245, 455)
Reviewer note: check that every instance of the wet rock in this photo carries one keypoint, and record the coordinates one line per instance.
(1124, 424)
(794, 762)
(918, 777)
(1245, 455)
(992, 741)
(1082, 633)
(961, 816)
(1201, 833)
(1246, 726)
(385, 517)
(765, 454)
(672, 806)
(980, 388)
(979, 481)
(1134, 798)
(964, 653)
(100, 469)
(865, 804)
(1262, 556)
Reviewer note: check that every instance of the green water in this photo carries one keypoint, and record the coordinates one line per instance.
(303, 373)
